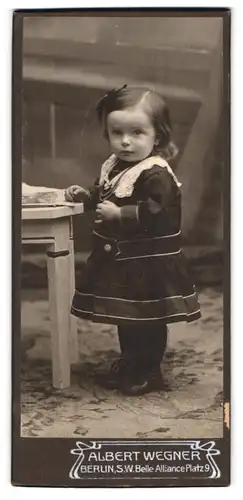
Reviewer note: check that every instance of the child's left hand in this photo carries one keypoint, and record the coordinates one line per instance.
(107, 211)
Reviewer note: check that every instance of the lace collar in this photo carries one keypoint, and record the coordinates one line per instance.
(122, 184)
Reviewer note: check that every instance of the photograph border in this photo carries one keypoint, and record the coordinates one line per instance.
(31, 457)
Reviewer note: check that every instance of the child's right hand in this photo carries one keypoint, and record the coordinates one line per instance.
(76, 193)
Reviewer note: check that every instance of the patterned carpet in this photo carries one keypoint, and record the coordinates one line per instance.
(192, 407)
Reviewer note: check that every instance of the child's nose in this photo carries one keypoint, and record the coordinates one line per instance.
(125, 140)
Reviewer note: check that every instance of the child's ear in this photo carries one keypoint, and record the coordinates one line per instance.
(156, 142)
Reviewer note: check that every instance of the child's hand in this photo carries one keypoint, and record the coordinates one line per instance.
(107, 211)
(76, 193)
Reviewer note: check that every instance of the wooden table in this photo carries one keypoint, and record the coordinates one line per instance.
(52, 226)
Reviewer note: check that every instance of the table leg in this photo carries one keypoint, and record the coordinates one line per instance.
(58, 265)
(73, 340)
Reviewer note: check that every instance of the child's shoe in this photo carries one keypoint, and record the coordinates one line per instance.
(144, 384)
(113, 378)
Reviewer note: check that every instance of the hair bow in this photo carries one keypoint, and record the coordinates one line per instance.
(106, 98)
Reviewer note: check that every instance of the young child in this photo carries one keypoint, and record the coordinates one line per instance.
(136, 276)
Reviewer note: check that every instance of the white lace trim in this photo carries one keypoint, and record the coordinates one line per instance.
(125, 180)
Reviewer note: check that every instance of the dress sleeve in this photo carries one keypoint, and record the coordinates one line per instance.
(157, 187)
(93, 196)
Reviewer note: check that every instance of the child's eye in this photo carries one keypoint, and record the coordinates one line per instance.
(116, 132)
(138, 131)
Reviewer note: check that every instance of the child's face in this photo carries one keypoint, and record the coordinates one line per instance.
(131, 134)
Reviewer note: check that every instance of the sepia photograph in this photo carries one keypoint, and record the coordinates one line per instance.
(123, 135)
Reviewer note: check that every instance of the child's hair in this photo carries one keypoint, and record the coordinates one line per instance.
(152, 103)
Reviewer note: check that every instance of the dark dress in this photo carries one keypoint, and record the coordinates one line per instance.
(136, 273)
